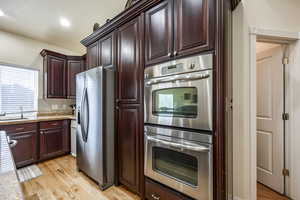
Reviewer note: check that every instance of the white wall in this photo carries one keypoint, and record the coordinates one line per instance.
(18, 50)
(278, 15)
(281, 15)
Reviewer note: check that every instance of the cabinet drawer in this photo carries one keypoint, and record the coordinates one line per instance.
(155, 191)
(51, 124)
(19, 128)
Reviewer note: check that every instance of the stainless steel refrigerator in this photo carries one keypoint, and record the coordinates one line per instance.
(95, 124)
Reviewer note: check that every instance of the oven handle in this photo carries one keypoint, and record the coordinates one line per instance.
(198, 148)
(190, 77)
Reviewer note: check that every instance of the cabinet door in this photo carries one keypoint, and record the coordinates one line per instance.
(56, 82)
(128, 146)
(74, 67)
(159, 33)
(93, 55)
(106, 50)
(193, 26)
(52, 143)
(129, 66)
(25, 152)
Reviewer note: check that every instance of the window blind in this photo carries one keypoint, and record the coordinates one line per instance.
(18, 88)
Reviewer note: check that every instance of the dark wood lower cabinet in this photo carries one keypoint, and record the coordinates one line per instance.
(156, 191)
(128, 146)
(25, 152)
(38, 141)
(51, 143)
(54, 138)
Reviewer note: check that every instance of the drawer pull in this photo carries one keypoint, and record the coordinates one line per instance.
(155, 197)
(19, 129)
(54, 124)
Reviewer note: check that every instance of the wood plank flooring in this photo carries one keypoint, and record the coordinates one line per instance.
(264, 193)
(61, 181)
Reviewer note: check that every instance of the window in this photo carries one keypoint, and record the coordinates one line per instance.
(18, 88)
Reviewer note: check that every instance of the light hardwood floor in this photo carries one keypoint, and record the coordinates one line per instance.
(264, 193)
(61, 181)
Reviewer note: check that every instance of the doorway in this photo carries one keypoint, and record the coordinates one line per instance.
(270, 118)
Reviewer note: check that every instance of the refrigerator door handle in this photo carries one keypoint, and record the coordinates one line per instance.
(87, 114)
(82, 121)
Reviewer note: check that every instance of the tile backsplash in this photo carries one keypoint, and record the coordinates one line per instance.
(55, 105)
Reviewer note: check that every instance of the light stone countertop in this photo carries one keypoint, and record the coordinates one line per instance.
(10, 188)
(37, 119)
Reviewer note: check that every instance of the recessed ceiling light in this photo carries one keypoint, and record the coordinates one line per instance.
(65, 22)
(1, 13)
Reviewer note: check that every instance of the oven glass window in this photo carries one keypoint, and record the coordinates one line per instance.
(179, 166)
(176, 102)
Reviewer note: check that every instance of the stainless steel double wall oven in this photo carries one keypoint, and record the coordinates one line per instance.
(178, 125)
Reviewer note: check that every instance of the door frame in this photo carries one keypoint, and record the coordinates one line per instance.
(246, 188)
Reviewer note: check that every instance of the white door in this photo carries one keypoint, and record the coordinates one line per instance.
(270, 154)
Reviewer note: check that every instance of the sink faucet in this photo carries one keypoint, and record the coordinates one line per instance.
(21, 111)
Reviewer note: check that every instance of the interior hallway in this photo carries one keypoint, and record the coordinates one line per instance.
(264, 193)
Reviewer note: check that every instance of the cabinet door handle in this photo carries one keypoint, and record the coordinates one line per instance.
(42, 132)
(169, 54)
(54, 124)
(175, 53)
(19, 129)
(155, 197)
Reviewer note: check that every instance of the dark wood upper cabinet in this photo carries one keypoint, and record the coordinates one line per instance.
(73, 68)
(129, 68)
(176, 28)
(93, 59)
(159, 32)
(106, 51)
(128, 146)
(25, 152)
(193, 26)
(60, 74)
(56, 79)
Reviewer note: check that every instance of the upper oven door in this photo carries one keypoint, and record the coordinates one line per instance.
(183, 100)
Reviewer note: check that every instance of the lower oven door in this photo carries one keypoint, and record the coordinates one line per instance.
(183, 166)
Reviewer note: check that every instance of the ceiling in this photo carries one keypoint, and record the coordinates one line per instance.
(40, 19)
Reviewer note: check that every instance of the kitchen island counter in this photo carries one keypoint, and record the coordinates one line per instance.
(10, 188)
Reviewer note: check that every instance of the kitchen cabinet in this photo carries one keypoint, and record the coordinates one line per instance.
(129, 66)
(93, 55)
(194, 26)
(101, 53)
(129, 133)
(106, 51)
(156, 191)
(54, 139)
(75, 65)
(167, 30)
(38, 141)
(60, 74)
(182, 29)
(55, 69)
(25, 152)
(159, 32)
(129, 105)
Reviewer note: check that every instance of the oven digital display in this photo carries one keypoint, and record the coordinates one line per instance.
(172, 69)
(176, 102)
